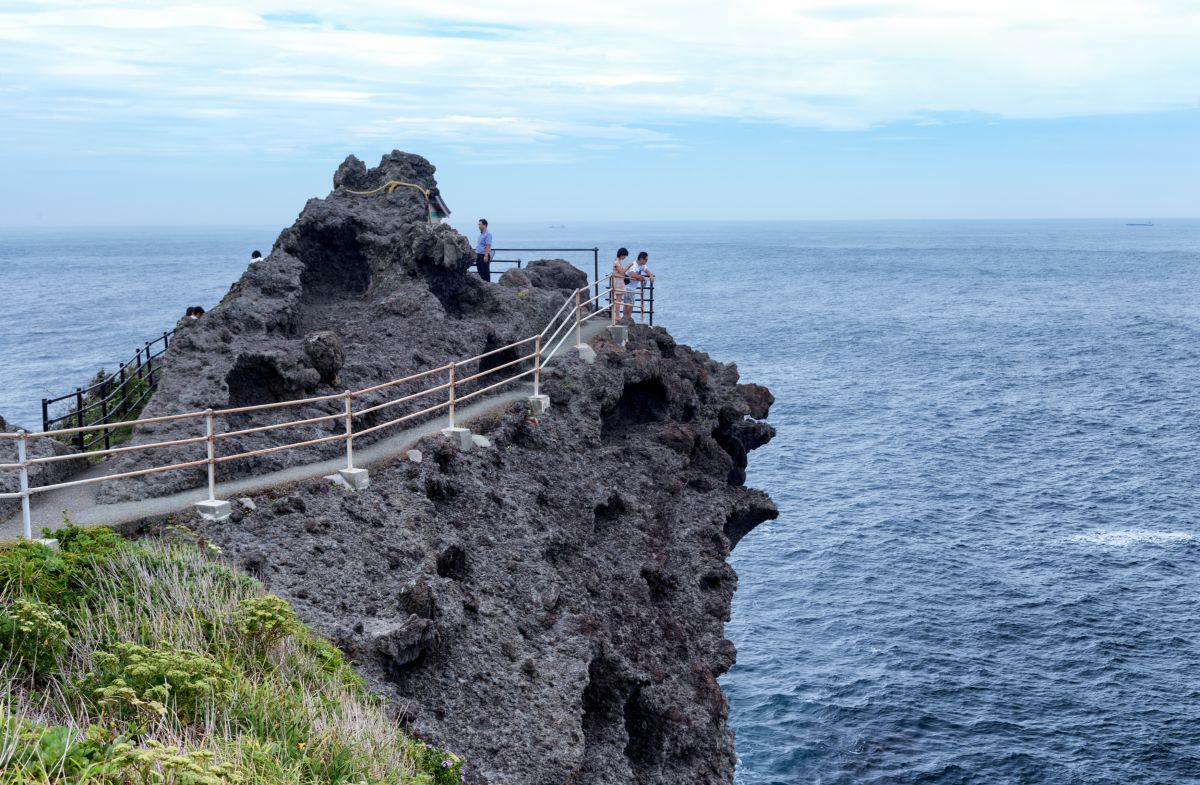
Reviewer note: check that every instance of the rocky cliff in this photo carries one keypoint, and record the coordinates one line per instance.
(550, 607)
(360, 290)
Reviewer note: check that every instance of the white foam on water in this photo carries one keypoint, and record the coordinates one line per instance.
(1126, 537)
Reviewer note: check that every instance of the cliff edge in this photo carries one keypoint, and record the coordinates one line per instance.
(551, 607)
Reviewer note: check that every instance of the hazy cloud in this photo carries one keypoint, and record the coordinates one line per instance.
(543, 71)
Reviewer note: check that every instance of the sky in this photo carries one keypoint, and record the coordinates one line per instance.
(130, 113)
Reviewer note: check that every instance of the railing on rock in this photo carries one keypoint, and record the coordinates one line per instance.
(448, 379)
(112, 399)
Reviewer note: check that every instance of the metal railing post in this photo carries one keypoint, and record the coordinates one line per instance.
(104, 412)
(537, 365)
(123, 404)
(613, 303)
(45, 414)
(652, 303)
(451, 395)
(642, 302)
(26, 520)
(578, 328)
(349, 433)
(596, 273)
(212, 450)
(79, 439)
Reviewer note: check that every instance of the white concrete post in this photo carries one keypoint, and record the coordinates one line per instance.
(578, 328)
(26, 520)
(354, 479)
(537, 365)
(460, 436)
(212, 450)
(613, 304)
(349, 433)
(212, 508)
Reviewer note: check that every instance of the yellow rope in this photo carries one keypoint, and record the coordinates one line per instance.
(390, 186)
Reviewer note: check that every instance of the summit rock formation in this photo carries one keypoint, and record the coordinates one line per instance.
(550, 606)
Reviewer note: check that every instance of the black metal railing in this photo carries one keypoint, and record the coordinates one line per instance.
(647, 288)
(595, 252)
(109, 398)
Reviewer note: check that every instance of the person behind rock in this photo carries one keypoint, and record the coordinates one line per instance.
(193, 313)
(635, 274)
(619, 280)
(483, 251)
(255, 256)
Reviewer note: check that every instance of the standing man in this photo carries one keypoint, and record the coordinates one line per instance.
(483, 251)
(635, 277)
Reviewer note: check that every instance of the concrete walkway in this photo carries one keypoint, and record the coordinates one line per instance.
(78, 503)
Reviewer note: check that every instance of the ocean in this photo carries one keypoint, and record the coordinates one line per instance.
(987, 561)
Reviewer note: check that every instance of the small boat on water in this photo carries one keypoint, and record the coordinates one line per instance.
(1144, 223)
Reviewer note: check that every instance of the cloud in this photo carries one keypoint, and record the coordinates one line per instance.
(547, 72)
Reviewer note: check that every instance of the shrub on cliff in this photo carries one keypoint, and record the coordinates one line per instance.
(153, 663)
(31, 637)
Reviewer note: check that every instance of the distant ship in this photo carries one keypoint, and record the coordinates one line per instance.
(558, 226)
(1145, 223)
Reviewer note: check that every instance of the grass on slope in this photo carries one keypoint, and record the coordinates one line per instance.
(152, 662)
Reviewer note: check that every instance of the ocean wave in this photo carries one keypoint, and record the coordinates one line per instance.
(1124, 538)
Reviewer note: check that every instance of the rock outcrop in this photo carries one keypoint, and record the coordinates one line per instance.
(360, 290)
(549, 604)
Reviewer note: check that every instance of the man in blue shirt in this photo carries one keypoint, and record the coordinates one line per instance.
(483, 251)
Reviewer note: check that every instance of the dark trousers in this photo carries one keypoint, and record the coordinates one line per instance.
(484, 267)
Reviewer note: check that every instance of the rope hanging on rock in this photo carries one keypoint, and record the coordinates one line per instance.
(391, 185)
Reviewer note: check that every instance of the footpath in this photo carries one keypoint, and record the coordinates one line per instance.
(78, 503)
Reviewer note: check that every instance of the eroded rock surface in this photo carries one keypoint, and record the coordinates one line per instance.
(360, 290)
(551, 607)
(550, 603)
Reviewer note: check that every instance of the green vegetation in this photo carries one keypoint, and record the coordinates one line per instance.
(140, 663)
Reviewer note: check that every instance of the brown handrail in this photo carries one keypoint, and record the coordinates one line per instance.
(560, 322)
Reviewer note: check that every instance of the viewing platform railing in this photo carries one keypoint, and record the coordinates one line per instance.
(452, 384)
(110, 400)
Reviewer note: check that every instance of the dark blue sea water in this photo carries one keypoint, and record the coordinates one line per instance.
(987, 563)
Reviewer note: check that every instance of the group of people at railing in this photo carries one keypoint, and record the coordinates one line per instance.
(627, 280)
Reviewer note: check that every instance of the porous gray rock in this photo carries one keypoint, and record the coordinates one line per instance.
(39, 474)
(395, 292)
(324, 351)
(555, 274)
(551, 608)
(515, 278)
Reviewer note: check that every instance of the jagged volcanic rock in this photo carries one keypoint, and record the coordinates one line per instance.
(360, 290)
(551, 606)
